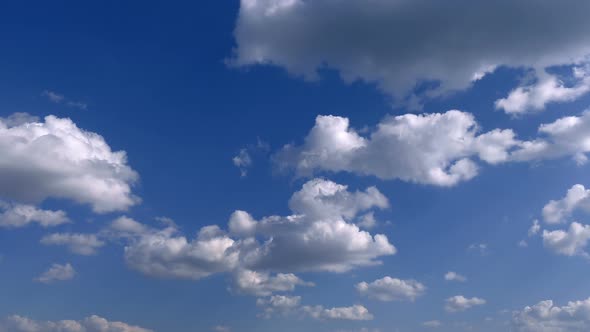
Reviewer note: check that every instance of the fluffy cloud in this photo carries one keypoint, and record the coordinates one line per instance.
(440, 149)
(571, 242)
(535, 228)
(57, 159)
(399, 45)
(567, 136)
(556, 211)
(90, 324)
(431, 148)
(19, 215)
(548, 88)
(263, 284)
(355, 312)
(454, 276)
(391, 289)
(460, 303)
(81, 244)
(317, 237)
(57, 272)
(545, 316)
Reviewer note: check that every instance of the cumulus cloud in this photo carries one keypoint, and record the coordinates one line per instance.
(547, 89)
(437, 148)
(535, 228)
(545, 316)
(556, 211)
(460, 303)
(440, 149)
(57, 272)
(391, 289)
(263, 284)
(454, 276)
(93, 323)
(317, 237)
(570, 242)
(399, 45)
(57, 159)
(81, 244)
(13, 215)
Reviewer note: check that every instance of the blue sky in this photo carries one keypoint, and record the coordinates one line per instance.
(294, 165)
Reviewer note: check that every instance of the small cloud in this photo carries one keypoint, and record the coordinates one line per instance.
(243, 161)
(432, 323)
(53, 96)
(482, 248)
(523, 244)
(454, 276)
(57, 272)
(77, 104)
(221, 328)
(58, 98)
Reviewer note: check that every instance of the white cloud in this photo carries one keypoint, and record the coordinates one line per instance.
(481, 248)
(221, 328)
(440, 149)
(57, 159)
(566, 137)
(399, 45)
(263, 284)
(90, 324)
(15, 215)
(454, 276)
(317, 237)
(291, 305)
(432, 323)
(460, 303)
(355, 312)
(57, 272)
(436, 149)
(535, 228)
(243, 161)
(548, 89)
(81, 244)
(53, 96)
(545, 316)
(556, 211)
(571, 242)
(391, 289)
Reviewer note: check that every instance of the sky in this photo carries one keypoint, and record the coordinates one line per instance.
(294, 165)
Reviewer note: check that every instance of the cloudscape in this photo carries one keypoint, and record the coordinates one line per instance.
(295, 165)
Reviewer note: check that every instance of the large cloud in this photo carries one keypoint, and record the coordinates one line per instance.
(90, 324)
(441, 149)
(545, 316)
(57, 159)
(312, 239)
(400, 44)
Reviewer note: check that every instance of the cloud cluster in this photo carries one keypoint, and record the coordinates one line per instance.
(545, 316)
(391, 289)
(90, 324)
(440, 149)
(57, 159)
(319, 236)
(460, 303)
(401, 45)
